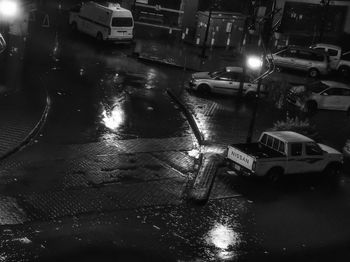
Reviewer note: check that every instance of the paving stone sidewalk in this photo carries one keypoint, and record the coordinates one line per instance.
(20, 119)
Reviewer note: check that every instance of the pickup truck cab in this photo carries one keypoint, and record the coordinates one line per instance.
(339, 60)
(283, 152)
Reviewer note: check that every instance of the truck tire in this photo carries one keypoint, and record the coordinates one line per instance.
(99, 37)
(314, 73)
(332, 170)
(344, 71)
(274, 174)
(74, 26)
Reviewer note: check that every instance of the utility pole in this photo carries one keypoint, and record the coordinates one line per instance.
(204, 46)
(266, 34)
(324, 4)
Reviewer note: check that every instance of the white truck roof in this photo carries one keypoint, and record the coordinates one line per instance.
(289, 136)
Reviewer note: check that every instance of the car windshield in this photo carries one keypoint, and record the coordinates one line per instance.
(317, 87)
(217, 73)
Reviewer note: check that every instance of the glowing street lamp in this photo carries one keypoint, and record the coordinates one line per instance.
(8, 8)
(254, 62)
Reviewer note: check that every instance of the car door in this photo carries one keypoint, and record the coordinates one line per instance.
(225, 83)
(296, 163)
(302, 60)
(285, 58)
(329, 98)
(334, 56)
(314, 160)
(344, 100)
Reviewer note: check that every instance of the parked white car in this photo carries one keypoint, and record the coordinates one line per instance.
(314, 62)
(224, 81)
(339, 61)
(321, 95)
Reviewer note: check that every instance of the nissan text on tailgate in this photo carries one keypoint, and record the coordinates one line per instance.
(280, 153)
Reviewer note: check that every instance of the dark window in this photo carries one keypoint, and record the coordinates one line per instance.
(333, 92)
(269, 141)
(122, 22)
(281, 147)
(312, 149)
(288, 53)
(275, 144)
(346, 57)
(332, 52)
(316, 57)
(346, 92)
(296, 149)
(264, 139)
(304, 55)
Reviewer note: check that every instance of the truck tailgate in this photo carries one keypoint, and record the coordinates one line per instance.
(240, 157)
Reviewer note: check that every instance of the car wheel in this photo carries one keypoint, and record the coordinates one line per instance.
(311, 106)
(313, 72)
(278, 69)
(332, 170)
(204, 88)
(344, 71)
(74, 27)
(99, 37)
(251, 95)
(275, 174)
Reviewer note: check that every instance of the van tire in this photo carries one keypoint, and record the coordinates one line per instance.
(99, 37)
(314, 73)
(74, 26)
(274, 174)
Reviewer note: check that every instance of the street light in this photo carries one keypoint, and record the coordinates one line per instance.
(254, 62)
(8, 8)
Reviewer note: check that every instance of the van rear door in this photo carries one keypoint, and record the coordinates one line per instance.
(122, 27)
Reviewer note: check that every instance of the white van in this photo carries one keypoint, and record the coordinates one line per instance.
(103, 21)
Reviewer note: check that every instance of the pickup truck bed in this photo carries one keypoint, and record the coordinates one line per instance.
(258, 150)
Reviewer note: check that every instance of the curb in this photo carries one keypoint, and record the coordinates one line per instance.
(34, 131)
(205, 178)
(160, 62)
(209, 162)
(198, 134)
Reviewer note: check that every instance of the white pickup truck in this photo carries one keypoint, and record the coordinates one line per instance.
(283, 152)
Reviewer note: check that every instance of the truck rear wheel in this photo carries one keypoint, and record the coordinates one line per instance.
(332, 170)
(99, 37)
(275, 174)
(74, 26)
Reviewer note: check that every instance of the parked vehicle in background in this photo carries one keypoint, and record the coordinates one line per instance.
(103, 21)
(280, 153)
(339, 61)
(314, 62)
(321, 95)
(224, 81)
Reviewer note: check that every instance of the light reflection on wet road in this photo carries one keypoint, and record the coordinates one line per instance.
(109, 95)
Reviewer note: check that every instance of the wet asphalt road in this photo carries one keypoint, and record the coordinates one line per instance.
(98, 94)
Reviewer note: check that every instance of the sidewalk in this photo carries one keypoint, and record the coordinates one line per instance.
(183, 55)
(23, 104)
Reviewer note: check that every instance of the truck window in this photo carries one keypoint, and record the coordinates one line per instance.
(264, 139)
(269, 141)
(122, 22)
(296, 149)
(313, 149)
(281, 147)
(276, 143)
